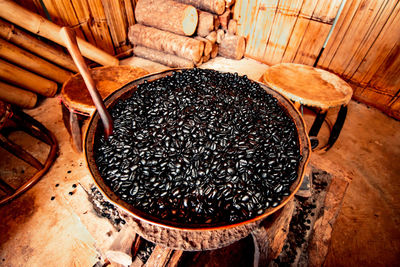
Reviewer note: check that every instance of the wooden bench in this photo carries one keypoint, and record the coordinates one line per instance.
(315, 88)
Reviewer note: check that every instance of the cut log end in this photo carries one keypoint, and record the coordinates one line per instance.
(214, 51)
(224, 19)
(220, 36)
(232, 46)
(190, 20)
(212, 37)
(232, 27)
(207, 45)
(206, 24)
(219, 6)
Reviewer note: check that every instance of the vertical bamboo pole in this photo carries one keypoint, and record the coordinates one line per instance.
(99, 27)
(117, 23)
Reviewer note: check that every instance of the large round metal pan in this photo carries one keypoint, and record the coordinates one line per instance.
(181, 236)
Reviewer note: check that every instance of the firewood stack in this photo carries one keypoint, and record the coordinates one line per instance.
(185, 33)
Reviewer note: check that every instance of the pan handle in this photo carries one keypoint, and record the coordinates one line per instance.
(69, 38)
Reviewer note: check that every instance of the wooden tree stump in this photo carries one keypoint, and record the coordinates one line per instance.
(271, 235)
(167, 15)
(232, 46)
(166, 42)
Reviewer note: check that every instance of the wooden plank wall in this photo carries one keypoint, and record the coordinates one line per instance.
(363, 49)
(103, 23)
(285, 30)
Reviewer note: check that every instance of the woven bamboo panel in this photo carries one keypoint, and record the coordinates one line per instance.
(101, 22)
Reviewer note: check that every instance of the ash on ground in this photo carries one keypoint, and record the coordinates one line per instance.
(104, 208)
(307, 211)
(145, 250)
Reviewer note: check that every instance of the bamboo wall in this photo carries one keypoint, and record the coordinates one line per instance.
(363, 49)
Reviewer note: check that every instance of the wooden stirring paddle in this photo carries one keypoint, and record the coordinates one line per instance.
(69, 38)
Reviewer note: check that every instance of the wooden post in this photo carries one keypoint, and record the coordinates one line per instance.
(17, 96)
(26, 79)
(30, 43)
(36, 24)
(31, 62)
(167, 15)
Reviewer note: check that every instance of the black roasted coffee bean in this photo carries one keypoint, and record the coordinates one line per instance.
(200, 147)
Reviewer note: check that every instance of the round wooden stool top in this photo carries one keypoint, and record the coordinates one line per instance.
(108, 79)
(308, 86)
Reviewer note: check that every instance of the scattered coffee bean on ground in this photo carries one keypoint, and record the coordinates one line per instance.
(200, 147)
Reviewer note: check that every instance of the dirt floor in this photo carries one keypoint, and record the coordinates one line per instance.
(39, 230)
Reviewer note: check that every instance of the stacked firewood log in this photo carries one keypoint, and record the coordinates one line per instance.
(185, 33)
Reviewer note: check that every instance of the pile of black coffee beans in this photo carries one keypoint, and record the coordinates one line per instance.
(200, 147)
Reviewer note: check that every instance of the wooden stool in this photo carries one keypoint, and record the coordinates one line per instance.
(77, 103)
(312, 87)
(13, 119)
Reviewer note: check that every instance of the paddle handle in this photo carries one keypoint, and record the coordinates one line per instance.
(69, 38)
